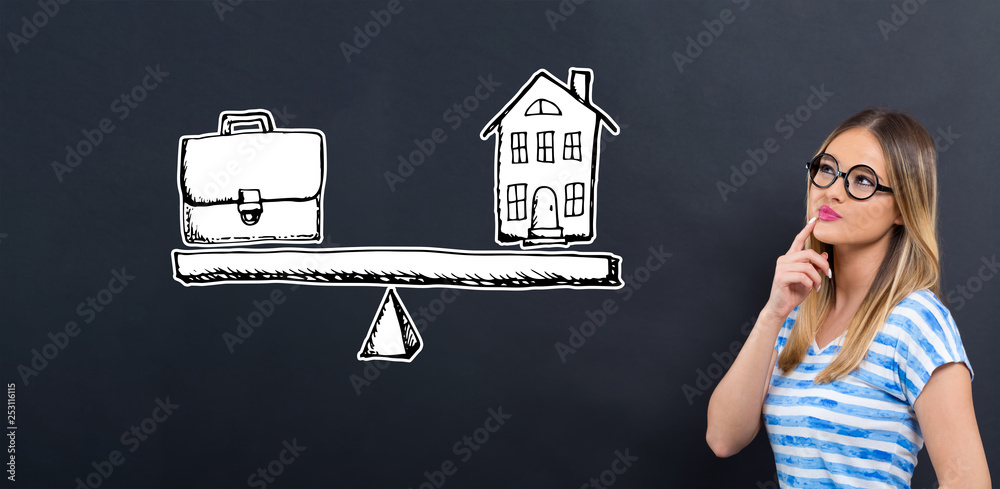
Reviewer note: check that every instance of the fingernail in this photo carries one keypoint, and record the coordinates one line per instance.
(829, 273)
(818, 287)
(811, 220)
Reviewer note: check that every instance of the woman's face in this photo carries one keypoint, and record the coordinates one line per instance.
(861, 222)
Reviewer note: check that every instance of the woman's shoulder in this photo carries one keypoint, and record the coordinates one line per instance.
(924, 306)
(920, 317)
(925, 337)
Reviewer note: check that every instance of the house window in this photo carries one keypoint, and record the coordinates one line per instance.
(517, 203)
(546, 148)
(519, 147)
(542, 107)
(571, 146)
(574, 199)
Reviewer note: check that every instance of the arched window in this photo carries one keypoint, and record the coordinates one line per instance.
(543, 107)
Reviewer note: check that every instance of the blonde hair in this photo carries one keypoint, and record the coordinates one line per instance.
(911, 262)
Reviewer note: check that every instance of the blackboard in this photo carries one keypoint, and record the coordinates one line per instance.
(134, 383)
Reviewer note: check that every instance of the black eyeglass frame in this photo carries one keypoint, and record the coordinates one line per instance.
(838, 174)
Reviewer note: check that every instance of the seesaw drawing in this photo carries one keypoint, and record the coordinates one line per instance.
(402, 266)
(547, 154)
(249, 184)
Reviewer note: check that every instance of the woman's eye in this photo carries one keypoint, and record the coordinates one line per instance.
(864, 181)
(827, 169)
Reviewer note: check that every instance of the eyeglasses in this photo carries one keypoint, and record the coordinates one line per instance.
(860, 181)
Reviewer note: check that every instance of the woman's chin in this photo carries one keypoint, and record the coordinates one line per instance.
(827, 236)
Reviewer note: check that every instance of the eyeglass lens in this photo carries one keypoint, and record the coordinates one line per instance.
(861, 180)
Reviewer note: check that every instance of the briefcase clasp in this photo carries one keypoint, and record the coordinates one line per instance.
(249, 206)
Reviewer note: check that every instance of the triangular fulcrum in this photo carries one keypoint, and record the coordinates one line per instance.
(392, 335)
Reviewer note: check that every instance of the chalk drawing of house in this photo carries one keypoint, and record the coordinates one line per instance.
(547, 155)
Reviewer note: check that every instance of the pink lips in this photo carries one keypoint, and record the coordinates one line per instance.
(828, 214)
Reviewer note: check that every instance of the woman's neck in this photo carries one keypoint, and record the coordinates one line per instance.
(854, 270)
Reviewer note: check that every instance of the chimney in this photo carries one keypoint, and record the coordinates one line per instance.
(579, 82)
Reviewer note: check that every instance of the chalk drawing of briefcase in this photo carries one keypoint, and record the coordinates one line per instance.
(250, 182)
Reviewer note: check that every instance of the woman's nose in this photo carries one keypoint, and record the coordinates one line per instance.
(837, 192)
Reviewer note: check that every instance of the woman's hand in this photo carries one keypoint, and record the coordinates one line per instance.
(796, 274)
(734, 410)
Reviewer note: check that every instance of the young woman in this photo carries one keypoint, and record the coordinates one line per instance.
(854, 363)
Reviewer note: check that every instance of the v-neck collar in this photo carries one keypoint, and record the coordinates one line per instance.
(832, 342)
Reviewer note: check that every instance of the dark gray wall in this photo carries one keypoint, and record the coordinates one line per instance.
(292, 379)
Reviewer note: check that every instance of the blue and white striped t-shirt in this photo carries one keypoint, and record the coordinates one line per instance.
(860, 430)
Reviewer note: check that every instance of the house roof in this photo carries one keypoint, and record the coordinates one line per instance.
(601, 115)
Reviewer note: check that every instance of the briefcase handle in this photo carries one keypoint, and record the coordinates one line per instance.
(228, 119)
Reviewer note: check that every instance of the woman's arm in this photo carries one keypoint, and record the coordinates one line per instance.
(736, 404)
(734, 411)
(947, 420)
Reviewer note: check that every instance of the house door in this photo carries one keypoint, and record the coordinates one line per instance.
(544, 209)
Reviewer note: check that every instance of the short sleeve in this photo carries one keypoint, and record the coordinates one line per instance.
(786, 330)
(927, 337)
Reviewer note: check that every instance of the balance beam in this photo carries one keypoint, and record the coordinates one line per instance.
(409, 267)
